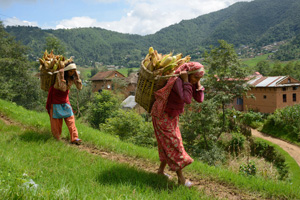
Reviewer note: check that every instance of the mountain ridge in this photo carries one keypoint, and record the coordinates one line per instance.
(255, 23)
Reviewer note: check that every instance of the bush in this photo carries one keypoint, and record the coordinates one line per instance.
(248, 169)
(236, 143)
(130, 126)
(284, 123)
(262, 149)
(102, 106)
(215, 155)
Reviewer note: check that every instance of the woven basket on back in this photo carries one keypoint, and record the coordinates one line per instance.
(147, 84)
(47, 80)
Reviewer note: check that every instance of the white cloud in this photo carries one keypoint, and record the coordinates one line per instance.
(15, 21)
(149, 16)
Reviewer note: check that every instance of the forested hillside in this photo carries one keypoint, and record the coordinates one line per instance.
(256, 23)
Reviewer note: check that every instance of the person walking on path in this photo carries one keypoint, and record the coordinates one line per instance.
(169, 104)
(58, 104)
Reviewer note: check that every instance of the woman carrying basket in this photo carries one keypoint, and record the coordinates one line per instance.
(58, 104)
(169, 104)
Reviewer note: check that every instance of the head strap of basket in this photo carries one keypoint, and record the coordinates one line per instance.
(70, 67)
(161, 96)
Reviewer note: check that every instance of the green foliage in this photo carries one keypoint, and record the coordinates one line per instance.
(255, 23)
(285, 123)
(236, 144)
(226, 79)
(248, 169)
(131, 127)
(200, 126)
(53, 43)
(262, 149)
(17, 83)
(289, 51)
(102, 106)
(200, 123)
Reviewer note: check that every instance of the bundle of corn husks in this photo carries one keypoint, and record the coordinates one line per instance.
(163, 64)
(51, 62)
(49, 66)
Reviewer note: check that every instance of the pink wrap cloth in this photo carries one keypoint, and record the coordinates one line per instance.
(161, 96)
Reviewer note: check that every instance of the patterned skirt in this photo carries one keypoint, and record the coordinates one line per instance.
(169, 142)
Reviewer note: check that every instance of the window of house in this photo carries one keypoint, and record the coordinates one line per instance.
(284, 98)
(295, 87)
(116, 74)
(284, 89)
(265, 96)
(239, 101)
(294, 97)
(289, 80)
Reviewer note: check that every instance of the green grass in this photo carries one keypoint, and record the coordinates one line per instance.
(253, 61)
(294, 168)
(35, 166)
(267, 188)
(124, 71)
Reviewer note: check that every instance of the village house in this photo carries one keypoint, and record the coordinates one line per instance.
(270, 92)
(103, 80)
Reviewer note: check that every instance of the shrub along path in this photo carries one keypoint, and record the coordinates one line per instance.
(291, 149)
(210, 187)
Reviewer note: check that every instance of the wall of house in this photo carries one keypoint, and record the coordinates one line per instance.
(269, 99)
(265, 100)
(100, 85)
(289, 91)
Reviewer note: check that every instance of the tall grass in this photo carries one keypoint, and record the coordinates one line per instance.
(40, 121)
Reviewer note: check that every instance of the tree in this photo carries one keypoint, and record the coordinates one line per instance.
(17, 84)
(52, 43)
(102, 106)
(263, 67)
(226, 79)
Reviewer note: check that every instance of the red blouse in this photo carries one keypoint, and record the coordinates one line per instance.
(181, 94)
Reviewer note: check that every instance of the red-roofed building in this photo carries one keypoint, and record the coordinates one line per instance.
(103, 80)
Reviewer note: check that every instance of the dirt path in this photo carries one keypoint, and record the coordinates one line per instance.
(292, 149)
(209, 187)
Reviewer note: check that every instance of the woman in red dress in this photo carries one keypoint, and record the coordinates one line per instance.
(169, 104)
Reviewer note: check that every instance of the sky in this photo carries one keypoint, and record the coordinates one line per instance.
(141, 17)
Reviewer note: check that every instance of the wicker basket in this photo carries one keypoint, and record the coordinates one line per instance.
(47, 80)
(147, 84)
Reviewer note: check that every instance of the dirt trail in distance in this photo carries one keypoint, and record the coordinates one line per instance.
(291, 149)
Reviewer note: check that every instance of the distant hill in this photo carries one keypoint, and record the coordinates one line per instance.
(256, 23)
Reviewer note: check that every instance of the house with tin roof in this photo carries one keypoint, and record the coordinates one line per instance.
(271, 93)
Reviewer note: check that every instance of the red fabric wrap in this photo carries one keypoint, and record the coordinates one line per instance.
(56, 96)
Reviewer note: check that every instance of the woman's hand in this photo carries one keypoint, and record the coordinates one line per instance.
(199, 86)
(184, 76)
(76, 75)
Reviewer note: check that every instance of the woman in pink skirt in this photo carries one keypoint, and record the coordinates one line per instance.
(169, 104)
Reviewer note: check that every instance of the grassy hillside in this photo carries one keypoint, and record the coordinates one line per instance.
(28, 151)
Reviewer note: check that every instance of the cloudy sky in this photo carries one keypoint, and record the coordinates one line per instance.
(126, 16)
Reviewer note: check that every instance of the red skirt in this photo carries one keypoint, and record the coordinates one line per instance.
(170, 147)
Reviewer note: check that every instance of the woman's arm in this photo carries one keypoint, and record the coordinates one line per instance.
(184, 90)
(77, 81)
(60, 82)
